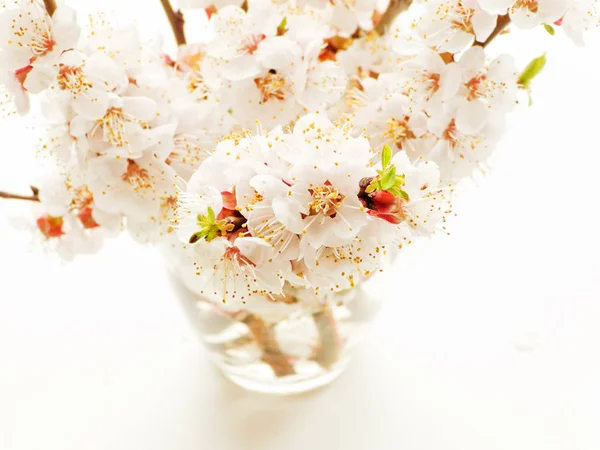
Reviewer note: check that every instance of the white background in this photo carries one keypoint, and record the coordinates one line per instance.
(489, 338)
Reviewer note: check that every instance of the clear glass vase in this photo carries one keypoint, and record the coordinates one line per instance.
(304, 345)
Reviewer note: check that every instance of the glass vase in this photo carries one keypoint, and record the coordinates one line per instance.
(300, 344)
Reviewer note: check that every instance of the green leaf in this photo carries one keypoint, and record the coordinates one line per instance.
(531, 71)
(549, 29)
(386, 156)
(282, 28)
(211, 215)
(389, 178)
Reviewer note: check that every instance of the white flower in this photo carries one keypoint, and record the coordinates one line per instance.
(531, 13)
(270, 95)
(527, 13)
(325, 81)
(390, 121)
(143, 189)
(339, 268)
(453, 25)
(31, 41)
(486, 91)
(239, 272)
(580, 16)
(428, 81)
(90, 81)
(428, 204)
(238, 36)
(457, 153)
(124, 129)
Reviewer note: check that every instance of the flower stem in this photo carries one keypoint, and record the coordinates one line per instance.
(50, 6)
(394, 9)
(329, 349)
(176, 20)
(31, 198)
(503, 22)
(271, 352)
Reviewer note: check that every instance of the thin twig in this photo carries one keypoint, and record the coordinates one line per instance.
(176, 20)
(29, 198)
(503, 22)
(394, 9)
(50, 6)
(271, 352)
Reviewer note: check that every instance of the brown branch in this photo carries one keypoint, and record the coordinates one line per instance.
(30, 198)
(271, 352)
(176, 20)
(503, 22)
(50, 6)
(394, 9)
(328, 352)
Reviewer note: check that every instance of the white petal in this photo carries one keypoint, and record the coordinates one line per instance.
(472, 117)
(483, 24)
(92, 104)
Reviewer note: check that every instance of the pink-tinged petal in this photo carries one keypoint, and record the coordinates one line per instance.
(92, 104)
(472, 116)
(483, 24)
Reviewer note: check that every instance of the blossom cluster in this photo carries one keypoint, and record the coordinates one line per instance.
(297, 144)
(306, 206)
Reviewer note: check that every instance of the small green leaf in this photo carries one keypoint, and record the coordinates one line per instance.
(531, 71)
(282, 28)
(386, 156)
(211, 214)
(549, 29)
(389, 178)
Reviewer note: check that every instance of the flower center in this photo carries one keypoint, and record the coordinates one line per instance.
(398, 131)
(474, 86)
(271, 86)
(235, 255)
(137, 177)
(531, 5)
(197, 86)
(72, 79)
(458, 141)
(326, 200)
(82, 197)
(462, 18)
(42, 43)
(250, 44)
